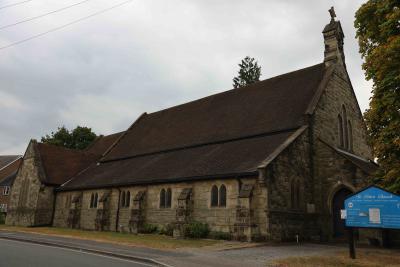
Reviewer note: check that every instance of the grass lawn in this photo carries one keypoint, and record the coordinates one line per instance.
(364, 258)
(140, 240)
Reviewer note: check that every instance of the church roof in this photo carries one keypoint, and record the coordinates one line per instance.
(267, 106)
(103, 143)
(226, 134)
(60, 163)
(366, 165)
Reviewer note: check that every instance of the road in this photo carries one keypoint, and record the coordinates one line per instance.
(21, 254)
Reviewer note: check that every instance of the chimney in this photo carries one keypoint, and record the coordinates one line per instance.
(333, 40)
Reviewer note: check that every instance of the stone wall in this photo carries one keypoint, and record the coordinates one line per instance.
(31, 202)
(337, 93)
(284, 220)
(332, 171)
(218, 218)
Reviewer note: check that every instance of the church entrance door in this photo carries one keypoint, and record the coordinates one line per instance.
(338, 204)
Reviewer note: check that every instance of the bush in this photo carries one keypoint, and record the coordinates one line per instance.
(167, 230)
(2, 218)
(196, 230)
(149, 228)
(220, 235)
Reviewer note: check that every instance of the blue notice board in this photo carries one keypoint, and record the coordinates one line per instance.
(373, 207)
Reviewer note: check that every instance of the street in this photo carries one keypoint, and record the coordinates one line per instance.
(21, 254)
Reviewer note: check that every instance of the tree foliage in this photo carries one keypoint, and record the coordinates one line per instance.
(378, 33)
(249, 73)
(78, 138)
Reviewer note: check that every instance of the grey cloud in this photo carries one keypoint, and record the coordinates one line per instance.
(150, 55)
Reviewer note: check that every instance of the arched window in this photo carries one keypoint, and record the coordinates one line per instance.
(92, 201)
(345, 138)
(340, 131)
(222, 196)
(350, 134)
(96, 198)
(128, 199)
(168, 198)
(123, 199)
(162, 198)
(214, 196)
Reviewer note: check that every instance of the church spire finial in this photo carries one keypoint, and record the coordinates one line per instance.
(332, 13)
(333, 40)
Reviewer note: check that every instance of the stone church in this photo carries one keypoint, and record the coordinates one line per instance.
(272, 160)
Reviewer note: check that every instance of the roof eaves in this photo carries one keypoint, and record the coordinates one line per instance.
(282, 147)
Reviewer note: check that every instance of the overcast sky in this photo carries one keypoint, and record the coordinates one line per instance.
(148, 55)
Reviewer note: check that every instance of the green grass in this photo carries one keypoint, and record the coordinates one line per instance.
(141, 240)
(364, 258)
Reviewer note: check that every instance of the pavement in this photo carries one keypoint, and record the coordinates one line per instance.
(232, 256)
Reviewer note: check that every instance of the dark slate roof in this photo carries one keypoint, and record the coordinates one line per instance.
(5, 160)
(60, 163)
(226, 159)
(103, 143)
(9, 180)
(8, 172)
(366, 165)
(224, 135)
(266, 106)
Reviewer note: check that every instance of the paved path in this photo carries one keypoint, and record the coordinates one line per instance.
(21, 254)
(187, 257)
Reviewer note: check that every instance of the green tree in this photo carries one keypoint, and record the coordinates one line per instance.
(378, 33)
(249, 73)
(78, 138)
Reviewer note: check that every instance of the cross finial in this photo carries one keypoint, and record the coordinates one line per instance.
(332, 13)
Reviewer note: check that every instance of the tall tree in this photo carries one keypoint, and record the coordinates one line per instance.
(78, 138)
(378, 32)
(249, 73)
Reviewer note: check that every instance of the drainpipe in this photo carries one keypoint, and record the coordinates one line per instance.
(117, 219)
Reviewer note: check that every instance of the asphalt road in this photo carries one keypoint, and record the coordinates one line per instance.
(21, 254)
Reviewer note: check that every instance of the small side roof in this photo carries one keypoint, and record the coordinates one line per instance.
(7, 159)
(60, 163)
(9, 171)
(9, 180)
(367, 165)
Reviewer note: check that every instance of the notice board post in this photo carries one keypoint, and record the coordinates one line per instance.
(352, 245)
